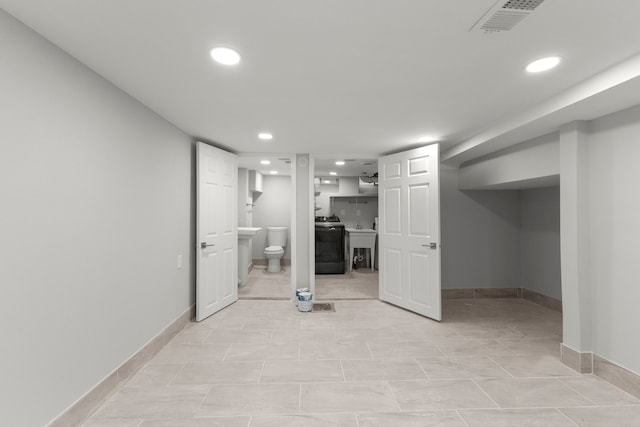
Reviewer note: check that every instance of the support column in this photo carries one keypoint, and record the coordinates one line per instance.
(574, 246)
(303, 217)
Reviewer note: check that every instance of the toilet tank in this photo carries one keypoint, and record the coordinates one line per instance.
(277, 236)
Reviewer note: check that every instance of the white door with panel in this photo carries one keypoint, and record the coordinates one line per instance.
(217, 239)
(409, 230)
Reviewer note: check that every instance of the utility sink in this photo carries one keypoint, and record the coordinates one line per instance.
(361, 230)
(362, 238)
(246, 233)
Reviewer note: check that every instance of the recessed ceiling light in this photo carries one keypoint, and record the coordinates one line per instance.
(274, 172)
(265, 136)
(543, 64)
(340, 162)
(333, 173)
(427, 138)
(225, 56)
(265, 162)
(326, 181)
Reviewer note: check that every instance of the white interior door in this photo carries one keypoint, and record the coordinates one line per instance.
(217, 239)
(409, 230)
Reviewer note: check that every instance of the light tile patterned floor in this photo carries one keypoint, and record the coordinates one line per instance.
(358, 284)
(491, 362)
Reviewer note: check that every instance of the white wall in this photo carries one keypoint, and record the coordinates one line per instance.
(532, 163)
(614, 217)
(272, 209)
(480, 236)
(354, 211)
(540, 240)
(96, 205)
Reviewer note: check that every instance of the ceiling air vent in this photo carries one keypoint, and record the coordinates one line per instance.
(503, 16)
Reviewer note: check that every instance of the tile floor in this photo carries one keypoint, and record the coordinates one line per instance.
(358, 284)
(491, 362)
(264, 285)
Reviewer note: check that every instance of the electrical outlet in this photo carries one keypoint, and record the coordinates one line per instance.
(357, 212)
(342, 212)
(179, 264)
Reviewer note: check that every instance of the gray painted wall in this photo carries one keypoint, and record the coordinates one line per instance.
(500, 238)
(96, 205)
(540, 240)
(480, 236)
(614, 213)
(273, 208)
(526, 164)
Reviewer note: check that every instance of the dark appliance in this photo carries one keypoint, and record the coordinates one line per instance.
(329, 245)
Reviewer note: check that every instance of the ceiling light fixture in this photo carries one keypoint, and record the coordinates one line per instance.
(333, 173)
(265, 136)
(543, 64)
(339, 162)
(326, 181)
(274, 172)
(225, 56)
(427, 139)
(265, 162)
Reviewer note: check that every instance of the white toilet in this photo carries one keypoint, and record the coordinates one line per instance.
(276, 242)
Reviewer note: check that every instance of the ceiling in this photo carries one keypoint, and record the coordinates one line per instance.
(323, 166)
(351, 78)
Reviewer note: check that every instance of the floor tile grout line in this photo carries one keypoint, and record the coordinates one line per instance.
(395, 398)
(578, 392)
(486, 393)
(226, 353)
(357, 418)
(501, 367)
(264, 362)
(177, 373)
(566, 416)
(462, 418)
(204, 398)
(423, 370)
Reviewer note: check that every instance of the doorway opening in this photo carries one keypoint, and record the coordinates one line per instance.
(345, 228)
(265, 183)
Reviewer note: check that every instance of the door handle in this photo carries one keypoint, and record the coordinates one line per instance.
(204, 245)
(431, 245)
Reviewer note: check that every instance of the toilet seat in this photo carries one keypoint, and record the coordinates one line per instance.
(273, 250)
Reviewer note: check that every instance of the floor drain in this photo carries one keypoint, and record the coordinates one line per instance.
(323, 306)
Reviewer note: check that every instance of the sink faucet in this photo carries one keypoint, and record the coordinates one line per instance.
(358, 227)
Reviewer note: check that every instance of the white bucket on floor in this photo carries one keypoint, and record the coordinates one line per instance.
(298, 293)
(305, 301)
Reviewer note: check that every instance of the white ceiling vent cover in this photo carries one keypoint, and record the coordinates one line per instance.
(503, 16)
